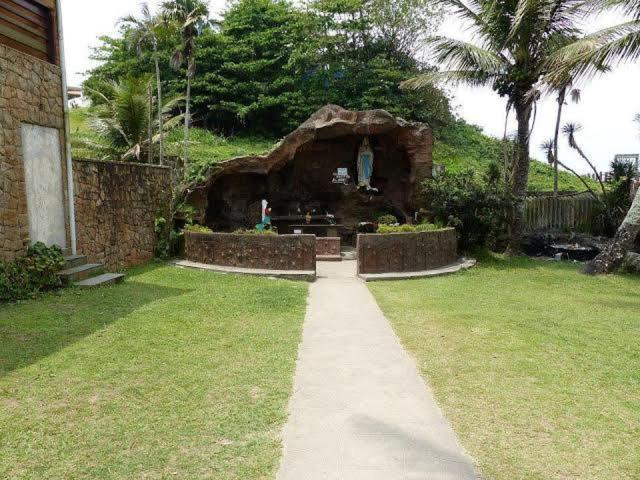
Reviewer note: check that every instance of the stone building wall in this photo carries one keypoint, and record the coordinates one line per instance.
(406, 252)
(267, 252)
(30, 92)
(117, 205)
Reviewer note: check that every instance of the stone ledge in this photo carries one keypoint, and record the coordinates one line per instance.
(329, 258)
(461, 264)
(304, 275)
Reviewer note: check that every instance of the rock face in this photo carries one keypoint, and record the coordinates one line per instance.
(31, 93)
(297, 176)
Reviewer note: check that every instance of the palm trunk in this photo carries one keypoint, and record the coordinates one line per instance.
(610, 259)
(520, 176)
(150, 126)
(160, 125)
(593, 168)
(187, 121)
(556, 136)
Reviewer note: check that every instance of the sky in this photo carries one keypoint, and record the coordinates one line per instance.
(605, 112)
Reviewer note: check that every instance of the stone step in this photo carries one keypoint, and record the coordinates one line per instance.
(80, 272)
(75, 260)
(101, 280)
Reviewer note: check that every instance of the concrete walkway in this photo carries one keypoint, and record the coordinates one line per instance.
(360, 410)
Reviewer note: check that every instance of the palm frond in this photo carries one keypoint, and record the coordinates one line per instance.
(455, 77)
(597, 52)
(459, 55)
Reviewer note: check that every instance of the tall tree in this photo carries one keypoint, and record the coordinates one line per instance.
(514, 41)
(191, 17)
(585, 58)
(143, 32)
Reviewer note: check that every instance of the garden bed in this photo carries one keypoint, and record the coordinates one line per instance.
(406, 252)
(250, 251)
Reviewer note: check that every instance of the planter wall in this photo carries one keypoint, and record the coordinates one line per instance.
(328, 246)
(265, 252)
(406, 252)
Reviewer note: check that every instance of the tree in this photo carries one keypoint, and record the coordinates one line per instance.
(143, 32)
(574, 93)
(612, 256)
(512, 54)
(120, 114)
(191, 16)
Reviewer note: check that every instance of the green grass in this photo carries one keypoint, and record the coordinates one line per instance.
(174, 374)
(206, 148)
(536, 366)
(463, 146)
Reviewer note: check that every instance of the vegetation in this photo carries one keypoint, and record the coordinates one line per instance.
(461, 147)
(546, 389)
(31, 274)
(512, 53)
(175, 374)
(476, 206)
(197, 229)
(408, 228)
(267, 65)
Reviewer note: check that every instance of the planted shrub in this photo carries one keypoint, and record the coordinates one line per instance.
(254, 231)
(407, 228)
(477, 206)
(387, 220)
(197, 229)
(32, 273)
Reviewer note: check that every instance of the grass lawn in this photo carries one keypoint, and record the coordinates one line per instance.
(174, 374)
(537, 367)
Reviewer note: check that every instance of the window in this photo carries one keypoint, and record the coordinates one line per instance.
(29, 26)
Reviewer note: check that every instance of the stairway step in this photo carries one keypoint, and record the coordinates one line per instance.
(80, 272)
(75, 260)
(101, 280)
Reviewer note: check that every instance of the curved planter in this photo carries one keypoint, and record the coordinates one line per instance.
(258, 252)
(406, 252)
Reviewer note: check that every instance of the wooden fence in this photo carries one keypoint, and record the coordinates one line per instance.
(574, 213)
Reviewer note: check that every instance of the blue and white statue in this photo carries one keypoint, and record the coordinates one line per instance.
(365, 165)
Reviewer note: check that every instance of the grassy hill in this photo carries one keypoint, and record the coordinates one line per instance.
(464, 146)
(460, 147)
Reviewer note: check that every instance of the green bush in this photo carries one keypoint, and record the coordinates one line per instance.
(477, 206)
(197, 229)
(254, 231)
(407, 228)
(32, 273)
(387, 220)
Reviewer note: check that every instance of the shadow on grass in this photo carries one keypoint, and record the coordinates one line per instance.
(495, 261)
(35, 329)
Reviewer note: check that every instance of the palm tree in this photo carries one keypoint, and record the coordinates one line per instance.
(120, 117)
(574, 94)
(191, 16)
(514, 42)
(585, 58)
(602, 49)
(570, 130)
(143, 32)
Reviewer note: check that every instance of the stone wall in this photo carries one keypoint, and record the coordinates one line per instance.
(116, 208)
(30, 92)
(406, 252)
(328, 246)
(266, 252)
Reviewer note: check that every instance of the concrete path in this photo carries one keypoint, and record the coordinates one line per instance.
(360, 410)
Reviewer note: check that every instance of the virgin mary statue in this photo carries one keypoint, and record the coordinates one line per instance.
(365, 164)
